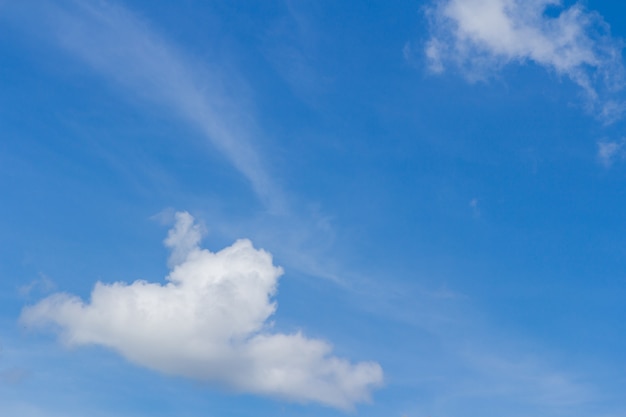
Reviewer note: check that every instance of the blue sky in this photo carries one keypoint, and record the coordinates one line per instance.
(406, 208)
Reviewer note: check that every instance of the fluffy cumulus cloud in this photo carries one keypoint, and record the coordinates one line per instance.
(479, 36)
(209, 322)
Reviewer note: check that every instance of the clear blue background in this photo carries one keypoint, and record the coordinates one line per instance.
(513, 305)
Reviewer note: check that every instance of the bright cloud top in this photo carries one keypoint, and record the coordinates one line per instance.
(480, 35)
(209, 322)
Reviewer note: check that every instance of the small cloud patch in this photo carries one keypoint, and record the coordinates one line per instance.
(479, 37)
(611, 151)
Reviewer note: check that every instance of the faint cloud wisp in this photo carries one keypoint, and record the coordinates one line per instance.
(42, 285)
(610, 151)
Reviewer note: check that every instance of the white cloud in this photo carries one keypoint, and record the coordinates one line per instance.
(480, 36)
(609, 151)
(209, 322)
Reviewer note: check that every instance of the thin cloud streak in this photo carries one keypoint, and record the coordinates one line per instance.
(123, 48)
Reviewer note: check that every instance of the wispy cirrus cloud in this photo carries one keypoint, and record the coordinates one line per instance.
(124, 48)
(525, 379)
(476, 366)
(210, 322)
(479, 37)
